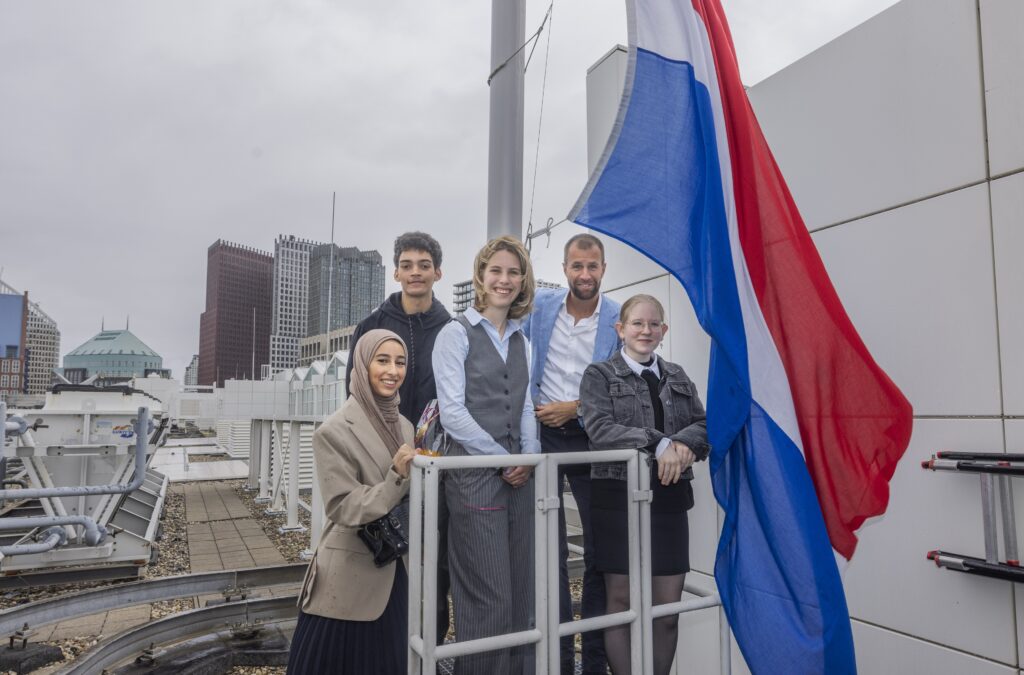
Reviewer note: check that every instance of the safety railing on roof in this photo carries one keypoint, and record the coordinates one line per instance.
(424, 652)
(995, 470)
(281, 467)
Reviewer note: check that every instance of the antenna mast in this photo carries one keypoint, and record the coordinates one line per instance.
(330, 271)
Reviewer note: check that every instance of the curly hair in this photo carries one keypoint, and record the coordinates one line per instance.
(523, 303)
(418, 241)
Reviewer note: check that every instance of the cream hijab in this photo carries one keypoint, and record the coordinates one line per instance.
(382, 411)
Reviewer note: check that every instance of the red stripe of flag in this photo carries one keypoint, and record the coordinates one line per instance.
(855, 423)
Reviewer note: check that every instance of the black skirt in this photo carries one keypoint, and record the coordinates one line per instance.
(670, 532)
(324, 645)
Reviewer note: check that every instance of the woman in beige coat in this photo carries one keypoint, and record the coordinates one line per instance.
(353, 615)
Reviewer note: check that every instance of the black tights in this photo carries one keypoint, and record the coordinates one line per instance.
(664, 589)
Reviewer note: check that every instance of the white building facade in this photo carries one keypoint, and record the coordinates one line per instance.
(291, 298)
(192, 372)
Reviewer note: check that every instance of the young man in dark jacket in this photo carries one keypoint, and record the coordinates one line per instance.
(415, 314)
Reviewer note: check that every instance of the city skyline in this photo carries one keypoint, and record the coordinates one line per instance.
(159, 132)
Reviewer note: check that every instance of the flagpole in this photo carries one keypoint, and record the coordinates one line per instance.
(505, 151)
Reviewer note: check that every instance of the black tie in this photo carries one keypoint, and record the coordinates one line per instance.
(654, 388)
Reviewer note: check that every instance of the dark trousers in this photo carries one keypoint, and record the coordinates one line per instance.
(571, 438)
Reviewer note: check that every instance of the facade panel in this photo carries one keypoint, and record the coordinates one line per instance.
(886, 114)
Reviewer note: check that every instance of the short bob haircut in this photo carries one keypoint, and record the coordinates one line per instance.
(523, 303)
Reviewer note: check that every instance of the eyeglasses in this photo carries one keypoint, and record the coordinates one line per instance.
(640, 325)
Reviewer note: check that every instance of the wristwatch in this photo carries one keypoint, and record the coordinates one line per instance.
(579, 408)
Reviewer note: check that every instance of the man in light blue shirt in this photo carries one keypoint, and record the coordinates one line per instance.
(568, 331)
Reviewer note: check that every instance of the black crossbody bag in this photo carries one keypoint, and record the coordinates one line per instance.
(387, 537)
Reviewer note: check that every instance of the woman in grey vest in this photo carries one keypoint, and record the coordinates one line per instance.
(638, 400)
(482, 369)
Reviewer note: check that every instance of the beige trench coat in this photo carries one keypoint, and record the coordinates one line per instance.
(358, 485)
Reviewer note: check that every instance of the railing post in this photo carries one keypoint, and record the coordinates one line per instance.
(316, 509)
(988, 517)
(276, 507)
(636, 568)
(552, 562)
(255, 429)
(541, 567)
(292, 501)
(415, 565)
(724, 643)
(266, 431)
(644, 480)
(1009, 521)
(430, 578)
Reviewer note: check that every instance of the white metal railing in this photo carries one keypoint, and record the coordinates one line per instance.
(280, 489)
(424, 652)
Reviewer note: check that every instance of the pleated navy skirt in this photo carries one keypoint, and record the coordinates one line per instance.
(323, 645)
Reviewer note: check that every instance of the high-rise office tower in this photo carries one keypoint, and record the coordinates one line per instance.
(192, 372)
(234, 331)
(291, 299)
(345, 284)
(42, 346)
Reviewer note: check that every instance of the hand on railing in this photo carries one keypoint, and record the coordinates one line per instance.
(670, 466)
(401, 460)
(685, 454)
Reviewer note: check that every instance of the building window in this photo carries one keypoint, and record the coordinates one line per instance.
(16, 366)
(3, 381)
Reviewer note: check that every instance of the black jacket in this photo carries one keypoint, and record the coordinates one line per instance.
(419, 332)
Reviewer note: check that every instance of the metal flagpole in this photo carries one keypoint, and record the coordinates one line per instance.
(505, 152)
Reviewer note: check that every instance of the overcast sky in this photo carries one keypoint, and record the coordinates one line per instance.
(135, 134)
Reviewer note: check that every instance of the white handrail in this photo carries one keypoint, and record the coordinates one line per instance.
(424, 652)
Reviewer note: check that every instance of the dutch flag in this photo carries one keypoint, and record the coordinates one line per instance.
(806, 429)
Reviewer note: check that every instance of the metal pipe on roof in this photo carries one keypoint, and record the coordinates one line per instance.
(54, 537)
(141, 443)
(94, 533)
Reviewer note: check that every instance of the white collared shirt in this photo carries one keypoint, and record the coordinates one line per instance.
(451, 348)
(570, 351)
(639, 368)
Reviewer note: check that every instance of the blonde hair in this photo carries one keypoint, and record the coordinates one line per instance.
(639, 299)
(523, 304)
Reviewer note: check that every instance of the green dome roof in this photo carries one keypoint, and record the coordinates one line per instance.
(114, 342)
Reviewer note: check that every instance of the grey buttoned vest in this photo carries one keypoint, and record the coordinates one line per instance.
(495, 389)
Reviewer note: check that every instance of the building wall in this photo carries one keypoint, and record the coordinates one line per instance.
(903, 144)
(353, 282)
(239, 280)
(13, 335)
(290, 299)
(42, 345)
(462, 296)
(322, 347)
(192, 372)
(43, 350)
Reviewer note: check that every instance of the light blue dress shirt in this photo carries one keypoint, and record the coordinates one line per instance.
(451, 348)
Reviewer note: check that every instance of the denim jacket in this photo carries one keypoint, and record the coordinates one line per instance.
(617, 412)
